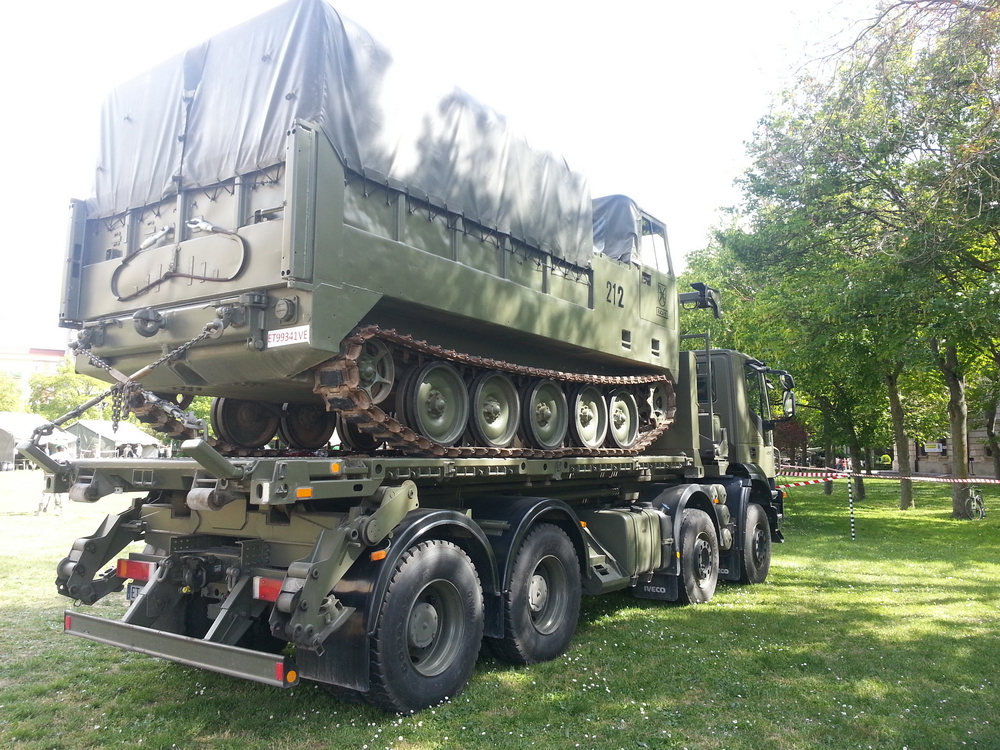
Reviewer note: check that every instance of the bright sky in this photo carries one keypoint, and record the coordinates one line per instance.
(652, 98)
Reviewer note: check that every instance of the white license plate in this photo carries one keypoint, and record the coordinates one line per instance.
(132, 591)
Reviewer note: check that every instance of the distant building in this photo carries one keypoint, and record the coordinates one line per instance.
(935, 457)
(23, 363)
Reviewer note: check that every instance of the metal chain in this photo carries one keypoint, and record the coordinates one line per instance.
(120, 408)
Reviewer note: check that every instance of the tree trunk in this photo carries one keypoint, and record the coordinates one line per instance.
(857, 456)
(992, 423)
(901, 444)
(958, 422)
(830, 463)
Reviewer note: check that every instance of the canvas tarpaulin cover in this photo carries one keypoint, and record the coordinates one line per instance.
(224, 108)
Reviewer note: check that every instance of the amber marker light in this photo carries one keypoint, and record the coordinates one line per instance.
(335, 467)
(303, 493)
(379, 554)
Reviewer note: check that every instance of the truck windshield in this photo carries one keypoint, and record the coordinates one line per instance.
(654, 251)
(757, 400)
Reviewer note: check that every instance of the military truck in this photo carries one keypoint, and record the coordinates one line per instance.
(448, 389)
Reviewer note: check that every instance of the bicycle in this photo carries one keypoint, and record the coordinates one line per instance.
(975, 508)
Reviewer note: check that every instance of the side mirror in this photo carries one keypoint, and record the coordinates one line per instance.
(788, 403)
(786, 380)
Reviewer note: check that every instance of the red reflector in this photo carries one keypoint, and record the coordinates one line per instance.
(279, 671)
(136, 570)
(67, 622)
(266, 589)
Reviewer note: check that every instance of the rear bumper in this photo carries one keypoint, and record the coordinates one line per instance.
(268, 669)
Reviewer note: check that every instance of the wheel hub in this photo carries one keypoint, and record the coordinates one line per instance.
(543, 414)
(538, 593)
(586, 415)
(423, 625)
(491, 410)
(620, 418)
(436, 404)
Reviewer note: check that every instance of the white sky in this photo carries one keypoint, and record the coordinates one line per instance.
(652, 98)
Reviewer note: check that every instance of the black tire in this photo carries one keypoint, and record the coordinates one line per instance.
(428, 632)
(542, 603)
(755, 559)
(699, 557)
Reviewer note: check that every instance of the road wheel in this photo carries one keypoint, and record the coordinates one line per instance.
(429, 630)
(306, 426)
(542, 603)
(544, 414)
(699, 557)
(756, 556)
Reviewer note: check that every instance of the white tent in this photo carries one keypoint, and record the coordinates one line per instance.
(16, 427)
(96, 438)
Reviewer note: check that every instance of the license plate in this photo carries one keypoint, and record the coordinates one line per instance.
(132, 591)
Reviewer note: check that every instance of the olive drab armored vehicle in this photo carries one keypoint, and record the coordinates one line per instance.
(449, 395)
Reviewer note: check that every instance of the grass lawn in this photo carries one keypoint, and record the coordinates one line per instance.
(890, 641)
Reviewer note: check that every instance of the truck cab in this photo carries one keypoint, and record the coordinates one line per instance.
(736, 413)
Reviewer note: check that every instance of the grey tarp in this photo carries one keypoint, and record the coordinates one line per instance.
(617, 224)
(224, 108)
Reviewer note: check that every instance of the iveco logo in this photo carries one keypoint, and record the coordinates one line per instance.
(655, 589)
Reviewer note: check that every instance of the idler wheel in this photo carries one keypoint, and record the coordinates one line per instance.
(376, 370)
(306, 426)
(495, 410)
(589, 423)
(545, 414)
(438, 401)
(248, 424)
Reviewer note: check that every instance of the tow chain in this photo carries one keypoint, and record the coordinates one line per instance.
(160, 414)
(338, 381)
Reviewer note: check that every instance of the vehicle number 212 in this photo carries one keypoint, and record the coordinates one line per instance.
(616, 295)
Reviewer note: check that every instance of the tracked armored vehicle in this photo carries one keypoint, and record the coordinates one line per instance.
(449, 392)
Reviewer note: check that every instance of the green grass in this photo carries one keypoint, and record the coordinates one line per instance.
(890, 641)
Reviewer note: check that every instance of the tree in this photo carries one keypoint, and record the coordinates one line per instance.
(11, 395)
(879, 190)
(55, 395)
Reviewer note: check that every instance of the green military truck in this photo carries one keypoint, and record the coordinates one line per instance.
(448, 390)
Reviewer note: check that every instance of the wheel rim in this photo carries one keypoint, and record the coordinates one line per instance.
(703, 562)
(758, 547)
(308, 426)
(440, 403)
(547, 595)
(546, 416)
(435, 628)
(495, 410)
(624, 420)
(589, 417)
(249, 424)
(376, 370)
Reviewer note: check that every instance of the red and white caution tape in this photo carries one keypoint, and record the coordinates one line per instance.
(830, 476)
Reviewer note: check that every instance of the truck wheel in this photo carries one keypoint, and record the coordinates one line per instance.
(699, 557)
(428, 632)
(542, 603)
(756, 557)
